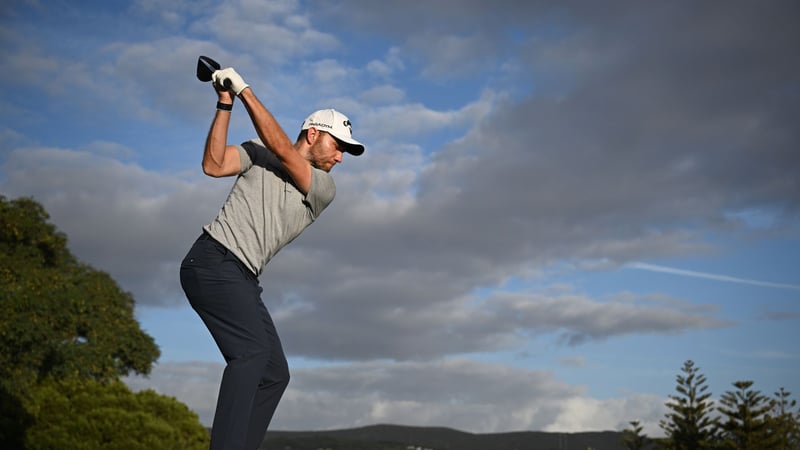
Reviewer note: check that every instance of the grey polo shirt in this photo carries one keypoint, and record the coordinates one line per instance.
(264, 210)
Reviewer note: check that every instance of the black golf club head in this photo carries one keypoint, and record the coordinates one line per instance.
(205, 70)
(205, 67)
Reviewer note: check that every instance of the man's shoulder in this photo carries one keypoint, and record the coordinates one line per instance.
(255, 141)
(260, 155)
(323, 176)
(322, 186)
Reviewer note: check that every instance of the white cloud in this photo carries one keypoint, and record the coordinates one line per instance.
(390, 65)
(384, 94)
(133, 223)
(462, 394)
(329, 71)
(592, 414)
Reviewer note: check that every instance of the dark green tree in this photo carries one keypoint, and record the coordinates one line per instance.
(784, 421)
(68, 332)
(744, 425)
(690, 424)
(75, 414)
(59, 317)
(633, 438)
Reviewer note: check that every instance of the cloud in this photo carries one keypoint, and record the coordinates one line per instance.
(591, 414)
(510, 141)
(582, 319)
(133, 223)
(603, 172)
(462, 394)
(573, 361)
(416, 314)
(451, 55)
(388, 65)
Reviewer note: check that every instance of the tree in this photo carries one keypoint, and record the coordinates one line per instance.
(59, 317)
(86, 414)
(784, 421)
(67, 335)
(633, 438)
(745, 423)
(690, 425)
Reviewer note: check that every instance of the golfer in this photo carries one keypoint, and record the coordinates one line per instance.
(280, 189)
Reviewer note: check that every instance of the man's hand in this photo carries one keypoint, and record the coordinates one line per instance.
(225, 96)
(237, 82)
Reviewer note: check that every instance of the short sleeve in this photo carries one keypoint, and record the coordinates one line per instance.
(247, 154)
(322, 191)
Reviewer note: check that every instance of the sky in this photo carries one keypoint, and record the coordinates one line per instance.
(559, 204)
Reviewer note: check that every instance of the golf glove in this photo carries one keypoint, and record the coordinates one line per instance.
(237, 82)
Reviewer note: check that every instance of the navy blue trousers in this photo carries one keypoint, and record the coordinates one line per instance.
(227, 297)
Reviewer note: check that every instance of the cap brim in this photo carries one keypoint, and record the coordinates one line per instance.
(354, 149)
(351, 146)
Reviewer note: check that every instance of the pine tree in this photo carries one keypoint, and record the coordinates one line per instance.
(745, 426)
(690, 425)
(784, 421)
(634, 439)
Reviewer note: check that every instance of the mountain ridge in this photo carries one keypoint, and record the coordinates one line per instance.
(402, 437)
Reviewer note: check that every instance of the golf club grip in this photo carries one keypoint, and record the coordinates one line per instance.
(226, 83)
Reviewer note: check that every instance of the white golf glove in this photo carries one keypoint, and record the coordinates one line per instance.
(237, 82)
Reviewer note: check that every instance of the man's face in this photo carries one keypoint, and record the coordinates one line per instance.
(326, 152)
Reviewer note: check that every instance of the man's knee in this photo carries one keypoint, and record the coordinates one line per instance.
(280, 374)
(276, 373)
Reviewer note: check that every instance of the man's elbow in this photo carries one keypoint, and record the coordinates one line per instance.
(212, 170)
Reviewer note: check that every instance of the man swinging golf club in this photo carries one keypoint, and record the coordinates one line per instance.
(281, 187)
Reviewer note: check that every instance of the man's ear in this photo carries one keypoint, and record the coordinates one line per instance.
(312, 134)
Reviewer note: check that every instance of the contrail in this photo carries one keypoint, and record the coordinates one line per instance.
(710, 276)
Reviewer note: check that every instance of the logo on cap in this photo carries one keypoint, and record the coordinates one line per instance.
(320, 125)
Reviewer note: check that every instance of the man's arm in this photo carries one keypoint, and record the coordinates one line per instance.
(270, 132)
(220, 159)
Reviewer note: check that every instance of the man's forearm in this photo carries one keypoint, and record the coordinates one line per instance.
(268, 129)
(217, 139)
(276, 140)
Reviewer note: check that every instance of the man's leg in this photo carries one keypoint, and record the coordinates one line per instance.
(237, 393)
(270, 389)
(227, 297)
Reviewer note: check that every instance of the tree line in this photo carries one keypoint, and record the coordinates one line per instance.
(742, 419)
(67, 336)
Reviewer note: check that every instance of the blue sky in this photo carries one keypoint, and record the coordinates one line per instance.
(557, 207)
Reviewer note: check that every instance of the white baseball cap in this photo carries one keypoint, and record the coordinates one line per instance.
(338, 125)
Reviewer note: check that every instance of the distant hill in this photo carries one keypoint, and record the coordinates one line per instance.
(396, 437)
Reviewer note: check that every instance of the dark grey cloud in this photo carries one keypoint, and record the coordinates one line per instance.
(637, 128)
(667, 120)
(413, 314)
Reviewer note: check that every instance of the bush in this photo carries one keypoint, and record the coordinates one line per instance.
(78, 414)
